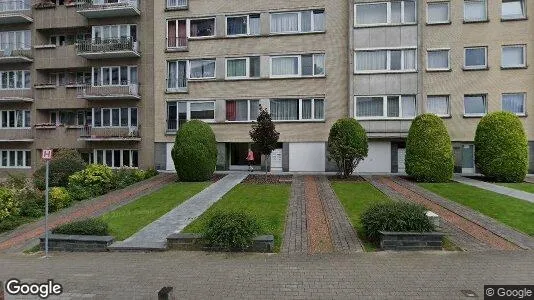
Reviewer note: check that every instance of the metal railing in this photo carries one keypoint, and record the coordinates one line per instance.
(104, 4)
(177, 3)
(14, 5)
(125, 89)
(177, 42)
(90, 132)
(108, 45)
(14, 94)
(14, 50)
(16, 134)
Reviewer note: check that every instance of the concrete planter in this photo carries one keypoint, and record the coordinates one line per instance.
(411, 241)
(193, 242)
(77, 243)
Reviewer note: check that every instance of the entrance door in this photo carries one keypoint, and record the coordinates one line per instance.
(276, 160)
(468, 159)
(402, 157)
(238, 156)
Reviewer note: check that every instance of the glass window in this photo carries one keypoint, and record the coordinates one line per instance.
(202, 69)
(172, 115)
(285, 109)
(385, 60)
(236, 68)
(202, 27)
(513, 9)
(513, 56)
(386, 106)
(514, 103)
(475, 10)
(177, 75)
(392, 12)
(438, 105)
(237, 25)
(254, 66)
(371, 13)
(307, 65)
(285, 22)
(475, 105)
(285, 66)
(202, 110)
(438, 12)
(318, 109)
(254, 24)
(318, 20)
(438, 59)
(318, 64)
(369, 106)
(475, 58)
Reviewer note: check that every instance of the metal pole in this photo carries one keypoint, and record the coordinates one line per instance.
(46, 210)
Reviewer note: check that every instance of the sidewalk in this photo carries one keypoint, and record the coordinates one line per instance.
(495, 188)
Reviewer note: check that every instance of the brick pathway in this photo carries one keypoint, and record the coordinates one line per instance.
(26, 235)
(495, 188)
(296, 230)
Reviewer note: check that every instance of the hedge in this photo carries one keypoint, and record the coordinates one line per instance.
(89, 226)
(231, 231)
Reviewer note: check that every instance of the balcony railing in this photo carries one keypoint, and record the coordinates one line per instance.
(108, 48)
(16, 135)
(124, 91)
(16, 95)
(177, 4)
(177, 42)
(110, 133)
(18, 53)
(107, 8)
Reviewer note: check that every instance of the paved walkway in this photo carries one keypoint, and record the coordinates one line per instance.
(197, 275)
(154, 236)
(495, 188)
(26, 235)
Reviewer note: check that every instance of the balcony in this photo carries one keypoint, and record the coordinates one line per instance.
(110, 92)
(177, 4)
(16, 135)
(98, 9)
(177, 44)
(15, 12)
(58, 57)
(12, 56)
(107, 134)
(108, 48)
(16, 96)
(58, 97)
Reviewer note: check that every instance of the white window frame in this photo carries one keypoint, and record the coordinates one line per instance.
(189, 63)
(522, 114)
(131, 151)
(176, 6)
(300, 119)
(385, 108)
(16, 112)
(485, 98)
(176, 21)
(248, 112)
(448, 114)
(475, 21)
(388, 60)
(101, 27)
(524, 4)
(109, 69)
(448, 13)
(388, 22)
(15, 80)
(188, 28)
(188, 110)
(111, 117)
(21, 37)
(448, 68)
(485, 66)
(24, 158)
(299, 57)
(524, 47)
(247, 67)
(299, 26)
(177, 89)
(248, 26)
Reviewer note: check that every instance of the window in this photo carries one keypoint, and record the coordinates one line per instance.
(385, 60)
(438, 59)
(177, 75)
(386, 107)
(243, 25)
(179, 112)
(83, 78)
(514, 103)
(242, 110)
(202, 69)
(298, 22)
(385, 13)
(513, 9)
(15, 40)
(202, 27)
(115, 117)
(118, 75)
(475, 10)
(15, 80)
(122, 32)
(117, 158)
(15, 159)
(475, 105)
(176, 34)
(438, 105)
(476, 58)
(438, 12)
(176, 3)
(513, 56)
(298, 65)
(246, 67)
(202, 110)
(15, 119)
(15, 5)
(297, 109)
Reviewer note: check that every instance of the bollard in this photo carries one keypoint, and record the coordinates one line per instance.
(165, 293)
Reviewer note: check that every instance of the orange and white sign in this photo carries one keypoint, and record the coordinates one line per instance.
(46, 154)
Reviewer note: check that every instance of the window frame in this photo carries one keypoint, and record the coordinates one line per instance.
(25, 159)
(109, 70)
(16, 113)
(523, 17)
(524, 94)
(299, 57)
(476, 115)
(524, 47)
(448, 68)
(189, 73)
(176, 89)
(248, 26)
(299, 25)
(448, 115)
(448, 3)
(484, 67)
(121, 159)
(384, 107)
(476, 21)
(388, 14)
(388, 60)
(130, 109)
(188, 112)
(23, 73)
(188, 28)
(247, 66)
(249, 110)
(300, 100)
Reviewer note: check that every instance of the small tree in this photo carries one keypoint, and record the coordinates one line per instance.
(64, 163)
(264, 135)
(347, 145)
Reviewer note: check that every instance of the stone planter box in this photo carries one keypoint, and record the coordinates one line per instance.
(411, 241)
(77, 243)
(193, 242)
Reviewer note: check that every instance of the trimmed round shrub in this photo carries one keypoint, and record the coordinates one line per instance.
(501, 147)
(231, 231)
(195, 152)
(394, 217)
(89, 226)
(429, 155)
(347, 145)
(64, 163)
(59, 198)
(95, 180)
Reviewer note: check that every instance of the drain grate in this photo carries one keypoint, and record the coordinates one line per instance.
(469, 294)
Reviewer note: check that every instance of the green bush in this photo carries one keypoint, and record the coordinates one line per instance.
(195, 152)
(347, 145)
(15, 181)
(32, 202)
(394, 217)
(230, 231)
(9, 206)
(65, 162)
(94, 181)
(125, 177)
(89, 226)
(501, 147)
(429, 156)
(59, 198)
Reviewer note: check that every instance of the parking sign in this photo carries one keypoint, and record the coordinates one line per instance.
(47, 154)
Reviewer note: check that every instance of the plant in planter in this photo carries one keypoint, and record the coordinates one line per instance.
(231, 231)
(89, 226)
(44, 4)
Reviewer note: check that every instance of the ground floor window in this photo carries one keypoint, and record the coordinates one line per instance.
(514, 103)
(179, 112)
(393, 106)
(297, 109)
(15, 159)
(475, 105)
(117, 158)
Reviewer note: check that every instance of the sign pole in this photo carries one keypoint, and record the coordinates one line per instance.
(46, 208)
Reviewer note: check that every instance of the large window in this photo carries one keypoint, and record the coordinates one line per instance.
(179, 112)
(114, 32)
(177, 75)
(298, 22)
(202, 27)
(385, 13)
(392, 106)
(117, 158)
(475, 10)
(242, 110)
(394, 60)
(15, 119)
(513, 9)
(118, 75)
(438, 12)
(438, 59)
(71, 117)
(15, 80)
(15, 159)
(115, 117)
(297, 109)
(475, 105)
(513, 56)
(438, 105)
(514, 103)
(12, 5)
(15, 40)
(298, 65)
(176, 34)
(177, 3)
(243, 25)
(476, 58)
(245, 67)
(202, 69)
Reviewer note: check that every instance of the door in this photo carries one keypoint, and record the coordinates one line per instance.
(402, 157)
(468, 159)
(276, 160)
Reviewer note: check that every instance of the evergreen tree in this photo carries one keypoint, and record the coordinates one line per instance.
(264, 134)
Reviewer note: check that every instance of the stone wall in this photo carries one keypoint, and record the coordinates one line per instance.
(76, 243)
(412, 241)
(193, 242)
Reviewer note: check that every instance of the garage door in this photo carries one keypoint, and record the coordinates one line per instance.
(378, 158)
(307, 157)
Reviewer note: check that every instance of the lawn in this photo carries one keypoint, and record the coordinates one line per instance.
(267, 202)
(513, 212)
(129, 219)
(523, 186)
(356, 197)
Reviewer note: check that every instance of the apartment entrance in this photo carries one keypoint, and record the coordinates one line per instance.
(238, 157)
(468, 159)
